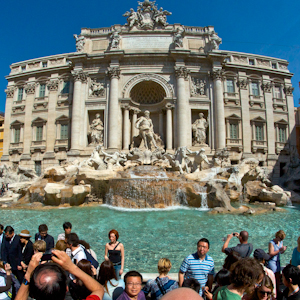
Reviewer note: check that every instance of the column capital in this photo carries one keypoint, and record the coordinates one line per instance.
(52, 85)
(217, 74)
(266, 86)
(10, 92)
(113, 72)
(125, 106)
(136, 110)
(242, 83)
(182, 72)
(169, 106)
(79, 75)
(30, 88)
(288, 90)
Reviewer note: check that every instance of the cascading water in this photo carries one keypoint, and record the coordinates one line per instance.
(202, 191)
(180, 196)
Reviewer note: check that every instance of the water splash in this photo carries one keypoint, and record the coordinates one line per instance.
(180, 197)
(202, 191)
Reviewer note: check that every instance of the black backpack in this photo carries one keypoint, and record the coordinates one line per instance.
(90, 258)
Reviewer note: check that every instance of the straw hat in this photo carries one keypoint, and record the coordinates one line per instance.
(25, 233)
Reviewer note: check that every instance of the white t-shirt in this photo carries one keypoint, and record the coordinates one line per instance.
(111, 287)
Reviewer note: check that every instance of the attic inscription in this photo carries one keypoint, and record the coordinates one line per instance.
(146, 42)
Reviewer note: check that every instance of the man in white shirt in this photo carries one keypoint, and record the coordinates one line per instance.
(77, 251)
(67, 230)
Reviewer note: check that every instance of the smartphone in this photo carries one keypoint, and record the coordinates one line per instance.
(46, 257)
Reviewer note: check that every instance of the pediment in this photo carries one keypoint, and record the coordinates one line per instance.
(62, 118)
(39, 120)
(282, 121)
(234, 116)
(258, 119)
(16, 123)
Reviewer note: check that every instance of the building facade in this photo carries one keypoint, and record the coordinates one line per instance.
(175, 72)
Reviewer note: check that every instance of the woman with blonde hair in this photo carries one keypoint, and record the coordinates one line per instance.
(163, 283)
(275, 249)
(264, 290)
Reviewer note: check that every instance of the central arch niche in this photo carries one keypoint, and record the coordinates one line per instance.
(147, 92)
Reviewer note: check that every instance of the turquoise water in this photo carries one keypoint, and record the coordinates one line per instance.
(149, 235)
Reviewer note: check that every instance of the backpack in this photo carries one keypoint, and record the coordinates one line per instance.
(15, 285)
(90, 258)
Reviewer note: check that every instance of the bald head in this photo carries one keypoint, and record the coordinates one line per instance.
(182, 294)
(244, 236)
(48, 282)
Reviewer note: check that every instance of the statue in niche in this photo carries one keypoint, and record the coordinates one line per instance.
(145, 126)
(96, 88)
(115, 40)
(79, 42)
(215, 41)
(199, 157)
(197, 87)
(199, 130)
(178, 37)
(132, 18)
(96, 131)
(160, 16)
(116, 159)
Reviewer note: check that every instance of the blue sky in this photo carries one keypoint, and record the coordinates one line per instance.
(36, 28)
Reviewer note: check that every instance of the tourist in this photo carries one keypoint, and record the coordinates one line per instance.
(43, 235)
(244, 248)
(6, 290)
(113, 287)
(77, 251)
(61, 245)
(246, 273)
(39, 246)
(191, 283)
(48, 281)
(230, 259)
(296, 255)
(182, 293)
(262, 257)
(1, 239)
(290, 278)
(67, 226)
(27, 250)
(275, 249)
(133, 287)
(12, 252)
(77, 289)
(199, 266)
(87, 247)
(264, 290)
(162, 284)
(114, 251)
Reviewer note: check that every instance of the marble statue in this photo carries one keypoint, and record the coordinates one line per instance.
(178, 37)
(160, 16)
(96, 131)
(116, 159)
(96, 88)
(215, 41)
(197, 87)
(145, 126)
(95, 161)
(221, 158)
(199, 130)
(179, 161)
(115, 40)
(132, 18)
(199, 157)
(79, 42)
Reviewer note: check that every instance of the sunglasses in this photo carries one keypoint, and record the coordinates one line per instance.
(264, 292)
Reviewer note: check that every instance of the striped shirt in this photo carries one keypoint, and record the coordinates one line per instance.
(193, 267)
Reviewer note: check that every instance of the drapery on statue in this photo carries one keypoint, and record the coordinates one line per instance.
(199, 130)
(145, 126)
(96, 131)
(132, 18)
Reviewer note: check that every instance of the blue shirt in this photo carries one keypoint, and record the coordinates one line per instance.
(296, 258)
(193, 267)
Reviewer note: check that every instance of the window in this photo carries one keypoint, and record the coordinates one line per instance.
(233, 130)
(259, 132)
(17, 135)
(277, 92)
(39, 133)
(230, 86)
(251, 62)
(274, 66)
(38, 168)
(42, 90)
(255, 90)
(282, 134)
(64, 131)
(23, 68)
(44, 64)
(66, 87)
(20, 94)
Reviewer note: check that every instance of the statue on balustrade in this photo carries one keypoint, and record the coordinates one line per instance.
(199, 130)
(146, 135)
(96, 131)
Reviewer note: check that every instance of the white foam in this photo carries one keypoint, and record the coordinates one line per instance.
(175, 207)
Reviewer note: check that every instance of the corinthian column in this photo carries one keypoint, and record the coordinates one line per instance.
(183, 127)
(134, 118)
(219, 110)
(114, 124)
(126, 128)
(169, 127)
(79, 78)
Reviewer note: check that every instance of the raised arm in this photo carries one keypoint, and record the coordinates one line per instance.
(226, 243)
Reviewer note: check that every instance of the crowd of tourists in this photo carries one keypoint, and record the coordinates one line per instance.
(70, 269)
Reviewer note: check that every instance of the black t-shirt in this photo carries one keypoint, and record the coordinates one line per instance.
(243, 249)
(295, 296)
